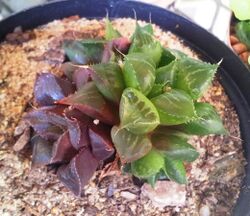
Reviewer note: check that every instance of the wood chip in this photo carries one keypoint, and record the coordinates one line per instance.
(23, 140)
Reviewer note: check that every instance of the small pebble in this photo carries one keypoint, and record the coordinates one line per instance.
(111, 190)
(165, 193)
(96, 121)
(133, 208)
(204, 211)
(127, 195)
(55, 211)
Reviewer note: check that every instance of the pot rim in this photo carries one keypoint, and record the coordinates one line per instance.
(235, 76)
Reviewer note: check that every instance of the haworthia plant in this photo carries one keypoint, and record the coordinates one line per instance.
(132, 97)
(157, 89)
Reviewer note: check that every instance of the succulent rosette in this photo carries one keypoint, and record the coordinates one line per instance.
(123, 98)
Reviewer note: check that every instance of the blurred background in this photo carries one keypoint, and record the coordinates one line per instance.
(213, 15)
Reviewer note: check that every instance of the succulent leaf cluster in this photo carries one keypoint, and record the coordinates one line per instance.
(129, 97)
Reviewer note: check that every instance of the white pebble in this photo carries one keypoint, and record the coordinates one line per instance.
(204, 211)
(127, 195)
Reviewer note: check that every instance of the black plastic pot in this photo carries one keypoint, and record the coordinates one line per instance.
(235, 77)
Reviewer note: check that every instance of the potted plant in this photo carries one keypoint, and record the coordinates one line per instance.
(79, 109)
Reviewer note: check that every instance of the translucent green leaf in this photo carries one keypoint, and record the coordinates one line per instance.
(194, 76)
(141, 36)
(156, 90)
(129, 146)
(84, 52)
(139, 72)
(172, 131)
(208, 121)
(137, 113)
(109, 80)
(174, 107)
(177, 53)
(243, 32)
(175, 170)
(154, 50)
(166, 58)
(110, 32)
(148, 165)
(154, 178)
(174, 146)
(166, 74)
(148, 28)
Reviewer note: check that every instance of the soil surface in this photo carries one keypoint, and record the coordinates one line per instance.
(214, 180)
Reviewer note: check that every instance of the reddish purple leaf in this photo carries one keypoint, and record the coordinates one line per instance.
(122, 44)
(48, 131)
(49, 88)
(46, 115)
(55, 109)
(78, 172)
(84, 140)
(89, 101)
(81, 76)
(48, 122)
(42, 151)
(68, 69)
(78, 127)
(78, 133)
(74, 132)
(100, 140)
(63, 151)
(72, 113)
(107, 52)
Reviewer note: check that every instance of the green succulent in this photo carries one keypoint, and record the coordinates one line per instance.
(157, 90)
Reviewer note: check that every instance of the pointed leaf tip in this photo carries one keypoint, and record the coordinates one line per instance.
(78, 127)
(83, 52)
(81, 76)
(194, 76)
(148, 165)
(78, 172)
(62, 150)
(89, 101)
(175, 170)
(109, 80)
(110, 32)
(174, 146)
(50, 88)
(100, 140)
(139, 72)
(208, 122)
(48, 122)
(142, 36)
